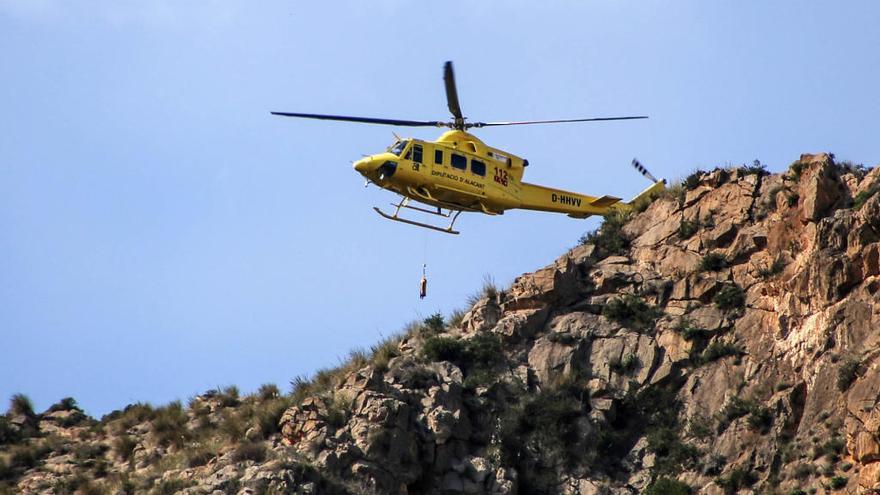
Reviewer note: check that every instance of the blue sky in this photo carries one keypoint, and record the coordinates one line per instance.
(161, 234)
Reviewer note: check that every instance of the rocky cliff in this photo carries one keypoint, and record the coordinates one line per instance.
(720, 340)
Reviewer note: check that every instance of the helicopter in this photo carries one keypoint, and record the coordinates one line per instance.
(460, 173)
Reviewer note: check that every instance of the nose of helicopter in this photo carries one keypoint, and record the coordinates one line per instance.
(365, 165)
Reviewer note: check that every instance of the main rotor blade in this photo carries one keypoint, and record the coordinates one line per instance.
(560, 121)
(451, 91)
(365, 120)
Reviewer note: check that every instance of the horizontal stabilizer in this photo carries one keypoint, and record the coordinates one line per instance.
(604, 201)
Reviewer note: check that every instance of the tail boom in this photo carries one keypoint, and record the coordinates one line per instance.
(542, 198)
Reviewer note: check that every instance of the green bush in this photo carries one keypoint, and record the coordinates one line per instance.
(700, 426)
(631, 312)
(199, 457)
(672, 454)
(232, 426)
(795, 169)
(716, 351)
(434, 323)
(713, 262)
(169, 425)
(8, 433)
(249, 451)
(738, 479)
(268, 415)
(172, 486)
(65, 404)
(734, 409)
(838, 482)
(760, 419)
(693, 180)
(609, 238)
(775, 268)
(124, 446)
(228, 397)
(21, 405)
(847, 374)
(689, 331)
(730, 297)
(443, 349)
(863, 197)
(626, 365)
(687, 229)
(756, 168)
(831, 450)
(268, 391)
(668, 486)
(383, 352)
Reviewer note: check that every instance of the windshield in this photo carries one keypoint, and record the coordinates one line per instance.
(398, 147)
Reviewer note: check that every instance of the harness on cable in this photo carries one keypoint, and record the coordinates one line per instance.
(423, 285)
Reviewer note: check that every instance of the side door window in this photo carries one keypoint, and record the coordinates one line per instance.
(459, 162)
(478, 168)
(438, 157)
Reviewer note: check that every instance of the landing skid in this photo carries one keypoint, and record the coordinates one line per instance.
(404, 203)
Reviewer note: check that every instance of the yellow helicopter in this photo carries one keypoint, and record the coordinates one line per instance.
(459, 173)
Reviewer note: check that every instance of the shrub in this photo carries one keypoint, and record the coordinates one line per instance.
(795, 169)
(489, 291)
(730, 297)
(847, 374)
(688, 331)
(268, 391)
(803, 471)
(435, 323)
(631, 311)
(734, 409)
(626, 365)
(832, 449)
(716, 351)
(383, 352)
(8, 433)
(713, 262)
(700, 426)
(760, 419)
(249, 451)
(687, 229)
(863, 197)
(169, 425)
(455, 318)
(172, 486)
(693, 180)
(775, 268)
(21, 405)
(609, 238)
(737, 480)
(756, 168)
(228, 397)
(668, 486)
(124, 446)
(65, 404)
(838, 482)
(232, 426)
(443, 349)
(672, 453)
(268, 416)
(199, 457)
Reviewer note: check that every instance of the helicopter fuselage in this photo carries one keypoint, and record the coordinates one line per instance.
(460, 172)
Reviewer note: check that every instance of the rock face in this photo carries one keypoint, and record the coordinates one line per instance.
(728, 343)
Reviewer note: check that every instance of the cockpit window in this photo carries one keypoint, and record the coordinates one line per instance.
(398, 147)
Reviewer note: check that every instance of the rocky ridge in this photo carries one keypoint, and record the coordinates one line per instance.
(718, 341)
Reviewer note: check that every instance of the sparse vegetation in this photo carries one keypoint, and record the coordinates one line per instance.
(795, 170)
(687, 229)
(169, 425)
(21, 405)
(268, 391)
(383, 352)
(756, 168)
(713, 262)
(631, 311)
(609, 238)
(249, 451)
(738, 479)
(847, 374)
(435, 323)
(626, 365)
(124, 446)
(693, 180)
(668, 486)
(730, 297)
(489, 291)
(863, 196)
(689, 331)
(715, 351)
(773, 269)
(838, 482)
